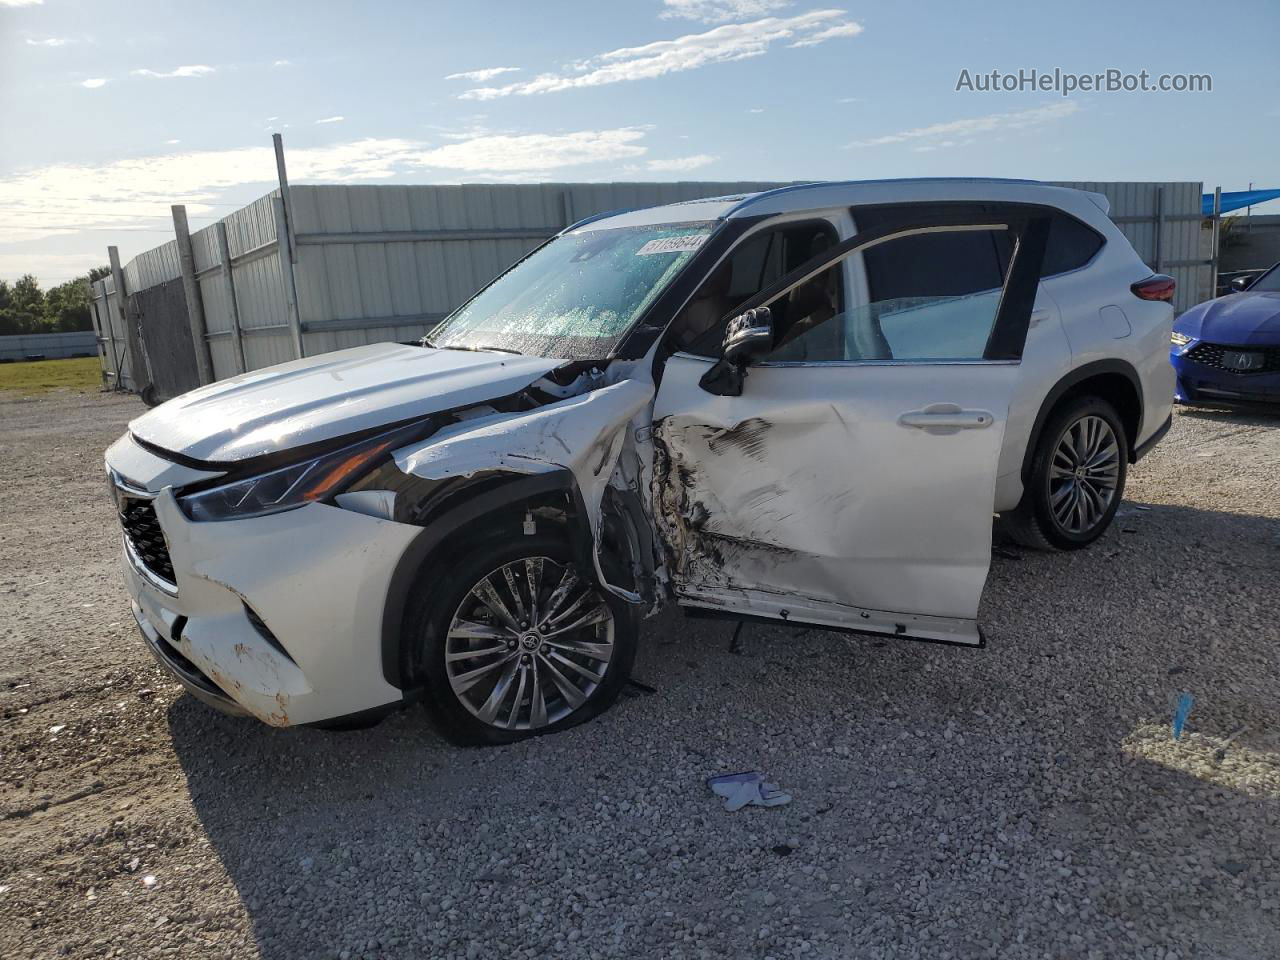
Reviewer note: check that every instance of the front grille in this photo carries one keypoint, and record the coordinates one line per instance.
(1210, 355)
(142, 530)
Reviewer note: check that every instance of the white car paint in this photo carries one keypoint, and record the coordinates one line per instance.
(832, 497)
(332, 395)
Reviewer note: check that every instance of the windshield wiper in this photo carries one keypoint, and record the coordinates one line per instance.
(458, 346)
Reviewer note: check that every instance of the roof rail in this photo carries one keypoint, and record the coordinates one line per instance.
(594, 217)
(796, 187)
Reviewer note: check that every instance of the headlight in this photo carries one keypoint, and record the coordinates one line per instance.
(1181, 339)
(295, 485)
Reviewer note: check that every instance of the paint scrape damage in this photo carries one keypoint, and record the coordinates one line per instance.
(718, 514)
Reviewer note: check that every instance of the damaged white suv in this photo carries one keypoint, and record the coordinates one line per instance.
(801, 406)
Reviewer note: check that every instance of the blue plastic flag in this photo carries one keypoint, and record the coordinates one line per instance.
(1180, 713)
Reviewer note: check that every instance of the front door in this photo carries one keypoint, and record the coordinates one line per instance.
(851, 483)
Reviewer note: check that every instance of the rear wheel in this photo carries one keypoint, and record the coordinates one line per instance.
(1076, 479)
(516, 642)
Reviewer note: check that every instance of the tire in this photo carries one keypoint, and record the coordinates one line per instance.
(1090, 426)
(450, 619)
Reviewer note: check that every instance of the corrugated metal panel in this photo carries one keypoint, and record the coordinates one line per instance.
(115, 346)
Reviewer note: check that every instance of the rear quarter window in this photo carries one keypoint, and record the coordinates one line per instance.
(1070, 246)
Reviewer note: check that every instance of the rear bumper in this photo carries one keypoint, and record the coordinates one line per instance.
(1199, 383)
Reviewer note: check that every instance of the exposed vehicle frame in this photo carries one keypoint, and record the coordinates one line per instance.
(485, 532)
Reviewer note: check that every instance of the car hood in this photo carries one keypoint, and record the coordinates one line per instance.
(328, 396)
(1240, 319)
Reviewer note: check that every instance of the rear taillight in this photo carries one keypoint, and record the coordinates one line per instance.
(1155, 287)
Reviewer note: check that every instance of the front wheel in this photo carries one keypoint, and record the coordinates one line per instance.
(1076, 479)
(516, 642)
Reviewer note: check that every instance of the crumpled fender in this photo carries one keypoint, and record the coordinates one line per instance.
(583, 434)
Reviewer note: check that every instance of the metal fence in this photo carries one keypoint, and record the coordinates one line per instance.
(362, 264)
(48, 346)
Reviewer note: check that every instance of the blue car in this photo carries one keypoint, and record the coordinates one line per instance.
(1228, 349)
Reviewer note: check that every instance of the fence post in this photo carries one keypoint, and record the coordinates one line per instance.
(278, 142)
(137, 363)
(229, 291)
(191, 288)
(286, 275)
(97, 329)
(1159, 228)
(1217, 219)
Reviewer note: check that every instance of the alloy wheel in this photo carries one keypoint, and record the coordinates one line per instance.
(1084, 475)
(528, 645)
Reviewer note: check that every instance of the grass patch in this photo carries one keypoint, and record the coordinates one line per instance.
(38, 376)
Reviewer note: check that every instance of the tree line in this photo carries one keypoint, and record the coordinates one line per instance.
(25, 308)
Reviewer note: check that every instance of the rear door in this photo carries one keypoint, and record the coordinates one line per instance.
(851, 482)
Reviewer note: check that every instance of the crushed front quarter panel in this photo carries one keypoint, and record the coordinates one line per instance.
(585, 435)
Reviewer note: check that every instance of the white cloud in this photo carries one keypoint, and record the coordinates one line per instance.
(331, 120)
(480, 76)
(944, 134)
(52, 268)
(20, 3)
(191, 70)
(735, 41)
(535, 152)
(719, 11)
(755, 110)
(282, 63)
(849, 29)
(172, 141)
(682, 164)
(62, 200)
(49, 42)
(93, 83)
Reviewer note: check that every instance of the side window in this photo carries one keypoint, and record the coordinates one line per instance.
(929, 297)
(753, 265)
(1070, 246)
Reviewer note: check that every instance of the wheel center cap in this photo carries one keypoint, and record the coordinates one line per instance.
(1079, 473)
(530, 641)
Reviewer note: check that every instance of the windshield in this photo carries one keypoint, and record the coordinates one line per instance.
(1269, 282)
(577, 296)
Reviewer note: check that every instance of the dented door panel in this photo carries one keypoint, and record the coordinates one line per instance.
(810, 494)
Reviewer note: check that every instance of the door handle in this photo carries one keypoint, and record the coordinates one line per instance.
(1039, 316)
(946, 420)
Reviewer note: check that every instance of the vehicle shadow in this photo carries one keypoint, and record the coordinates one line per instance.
(1259, 414)
(924, 778)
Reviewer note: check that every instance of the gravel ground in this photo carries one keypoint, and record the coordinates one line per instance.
(1025, 800)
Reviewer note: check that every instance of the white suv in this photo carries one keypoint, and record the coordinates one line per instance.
(802, 405)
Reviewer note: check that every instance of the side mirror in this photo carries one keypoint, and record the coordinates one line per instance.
(746, 337)
(1241, 284)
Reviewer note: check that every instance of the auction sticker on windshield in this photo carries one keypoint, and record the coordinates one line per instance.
(690, 241)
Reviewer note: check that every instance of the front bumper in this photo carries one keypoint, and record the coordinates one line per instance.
(279, 617)
(1197, 382)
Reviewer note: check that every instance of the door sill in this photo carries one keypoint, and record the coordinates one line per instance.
(760, 605)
